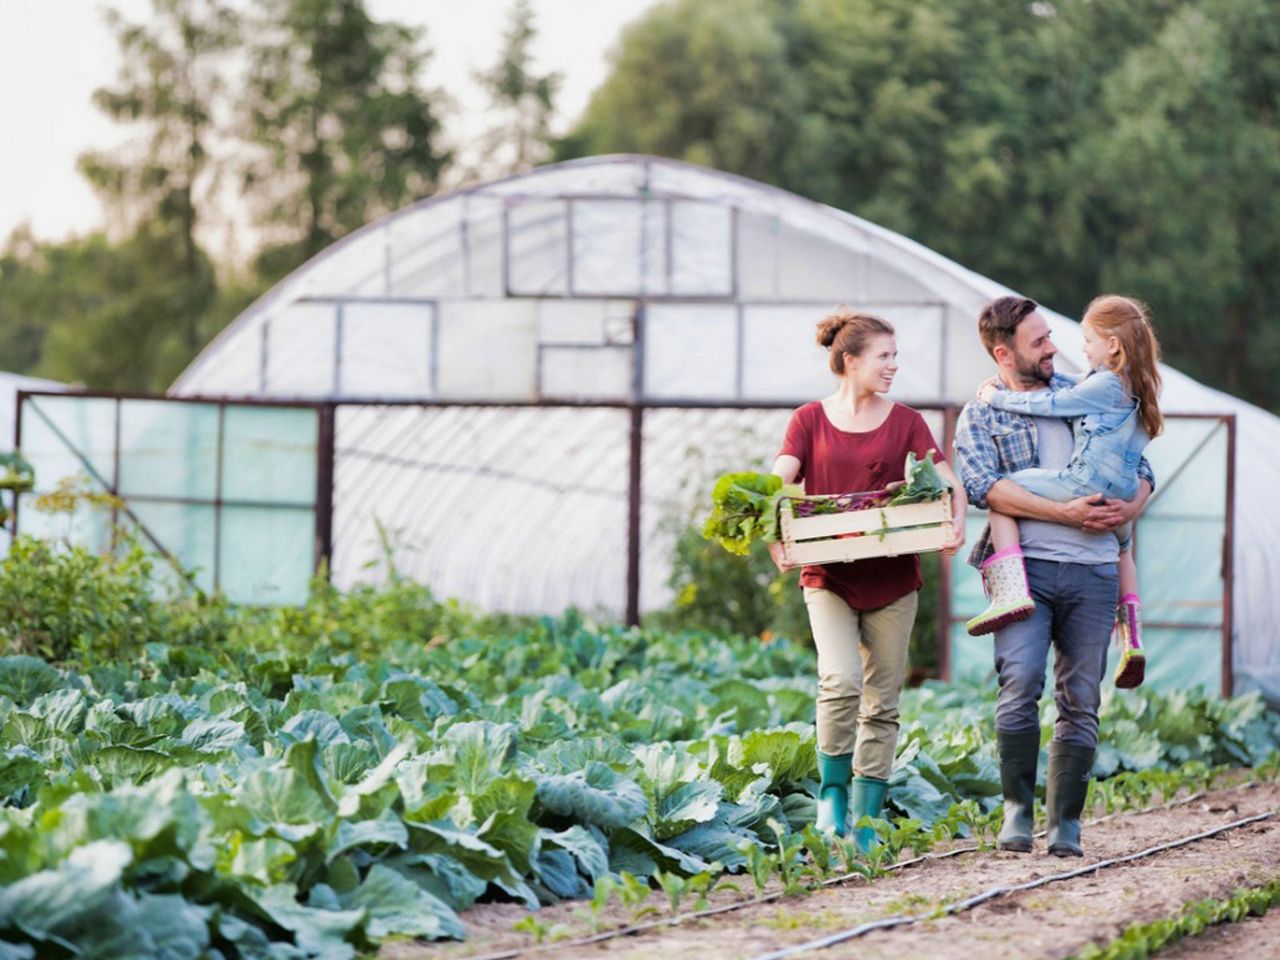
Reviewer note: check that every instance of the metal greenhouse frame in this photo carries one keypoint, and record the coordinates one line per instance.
(327, 455)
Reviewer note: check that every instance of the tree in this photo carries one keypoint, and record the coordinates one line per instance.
(708, 81)
(170, 79)
(1185, 161)
(343, 128)
(97, 312)
(524, 100)
(22, 329)
(1063, 148)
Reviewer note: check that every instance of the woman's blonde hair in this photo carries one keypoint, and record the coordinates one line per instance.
(1138, 359)
(845, 331)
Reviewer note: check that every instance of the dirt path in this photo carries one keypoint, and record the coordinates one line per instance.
(1052, 921)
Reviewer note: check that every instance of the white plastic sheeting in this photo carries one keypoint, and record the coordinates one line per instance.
(618, 278)
(700, 279)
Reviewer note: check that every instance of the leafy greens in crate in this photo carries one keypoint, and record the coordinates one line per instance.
(746, 504)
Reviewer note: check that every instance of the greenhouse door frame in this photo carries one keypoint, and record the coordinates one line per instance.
(322, 508)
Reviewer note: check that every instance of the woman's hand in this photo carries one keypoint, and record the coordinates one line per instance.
(987, 389)
(956, 540)
(779, 556)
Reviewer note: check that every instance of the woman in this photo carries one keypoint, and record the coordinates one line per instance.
(862, 612)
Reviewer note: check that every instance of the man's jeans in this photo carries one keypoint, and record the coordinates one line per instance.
(1075, 610)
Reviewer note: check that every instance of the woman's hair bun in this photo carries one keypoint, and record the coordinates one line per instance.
(829, 327)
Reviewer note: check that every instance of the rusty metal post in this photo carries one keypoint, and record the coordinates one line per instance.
(633, 515)
(324, 488)
(1228, 558)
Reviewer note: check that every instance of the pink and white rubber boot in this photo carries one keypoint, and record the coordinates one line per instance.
(1005, 579)
(1127, 636)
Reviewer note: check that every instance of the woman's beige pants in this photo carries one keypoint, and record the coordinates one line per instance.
(862, 662)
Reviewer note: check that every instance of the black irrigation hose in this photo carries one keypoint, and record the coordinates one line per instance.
(994, 892)
(834, 881)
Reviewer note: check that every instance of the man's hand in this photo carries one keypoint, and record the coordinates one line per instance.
(1110, 514)
(1092, 512)
(778, 554)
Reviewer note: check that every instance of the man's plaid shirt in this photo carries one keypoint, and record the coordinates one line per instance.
(991, 444)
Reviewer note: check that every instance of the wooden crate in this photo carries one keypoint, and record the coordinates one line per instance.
(858, 534)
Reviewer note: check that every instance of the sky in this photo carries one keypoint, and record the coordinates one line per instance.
(54, 53)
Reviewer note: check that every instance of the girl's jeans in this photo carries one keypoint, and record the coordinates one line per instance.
(1059, 485)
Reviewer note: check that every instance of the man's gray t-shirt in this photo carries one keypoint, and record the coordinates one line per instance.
(1053, 541)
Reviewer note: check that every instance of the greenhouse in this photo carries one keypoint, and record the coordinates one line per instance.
(519, 392)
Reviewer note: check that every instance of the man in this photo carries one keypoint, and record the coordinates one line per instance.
(1071, 553)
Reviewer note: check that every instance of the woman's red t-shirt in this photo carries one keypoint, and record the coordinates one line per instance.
(838, 461)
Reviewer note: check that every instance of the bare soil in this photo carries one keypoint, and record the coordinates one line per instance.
(1053, 921)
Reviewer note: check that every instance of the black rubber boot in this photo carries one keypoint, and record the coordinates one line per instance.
(1070, 766)
(1019, 754)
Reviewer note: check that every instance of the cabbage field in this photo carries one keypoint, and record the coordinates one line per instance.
(184, 779)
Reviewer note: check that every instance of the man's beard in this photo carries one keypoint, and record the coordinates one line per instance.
(1030, 373)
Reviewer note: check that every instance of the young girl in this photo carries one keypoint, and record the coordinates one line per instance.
(1118, 401)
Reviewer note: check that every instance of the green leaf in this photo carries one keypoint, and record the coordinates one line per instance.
(480, 752)
(314, 724)
(628, 846)
(716, 840)
(171, 927)
(568, 756)
(50, 900)
(556, 871)
(282, 801)
(371, 782)
(477, 856)
(388, 829)
(21, 770)
(921, 481)
(211, 735)
(397, 906)
(23, 678)
(685, 806)
(124, 764)
(265, 861)
(440, 874)
(26, 729)
(417, 698)
(318, 931)
(63, 710)
(510, 832)
(303, 758)
(595, 795)
(347, 762)
(918, 798)
(591, 856)
(160, 716)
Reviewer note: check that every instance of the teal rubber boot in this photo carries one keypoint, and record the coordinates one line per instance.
(833, 793)
(1019, 754)
(1070, 769)
(868, 801)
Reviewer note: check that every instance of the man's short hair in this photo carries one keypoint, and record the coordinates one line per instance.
(999, 319)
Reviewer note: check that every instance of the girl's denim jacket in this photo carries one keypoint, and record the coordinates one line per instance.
(1109, 439)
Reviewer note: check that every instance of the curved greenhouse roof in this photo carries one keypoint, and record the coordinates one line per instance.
(625, 280)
